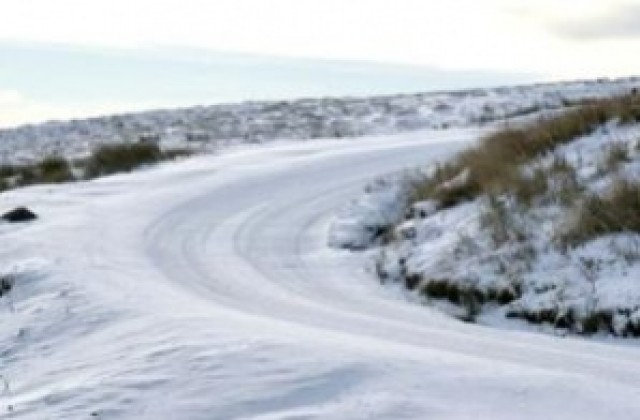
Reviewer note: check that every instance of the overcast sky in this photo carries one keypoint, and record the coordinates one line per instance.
(424, 44)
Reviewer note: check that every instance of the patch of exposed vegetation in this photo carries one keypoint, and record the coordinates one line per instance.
(539, 203)
(114, 158)
(494, 166)
(105, 160)
(617, 211)
(53, 170)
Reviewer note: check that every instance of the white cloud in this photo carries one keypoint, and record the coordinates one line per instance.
(460, 34)
(9, 98)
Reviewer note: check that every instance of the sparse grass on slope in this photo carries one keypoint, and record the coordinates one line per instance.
(494, 166)
(106, 160)
(617, 211)
(536, 207)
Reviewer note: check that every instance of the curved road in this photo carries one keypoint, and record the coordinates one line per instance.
(205, 290)
(255, 249)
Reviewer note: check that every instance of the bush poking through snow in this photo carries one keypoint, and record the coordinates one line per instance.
(498, 220)
(469, 296)
(106, 160)
(617, 154)
(113, 158)
(493, 167)
(47, 171)
(54, 170)
(535, 223)
(618, 211)
(622, 323)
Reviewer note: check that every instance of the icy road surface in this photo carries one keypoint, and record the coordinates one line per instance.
(205, 290)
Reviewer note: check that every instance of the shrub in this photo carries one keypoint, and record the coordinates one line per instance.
(561, 166)
(616, 154)
(602, 320)
(426, 188)
(114, 158)
(453, 195)
(469, 297)
(564, 188)
(107, 159)
(26, 175)
(10, 175)
(527, 188)
(8, 171)
(497, 218)
(628, 109)
(615, 212)
(54, 170)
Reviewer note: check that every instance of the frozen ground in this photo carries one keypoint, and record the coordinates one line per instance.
(525, 273)
(212, 127)
(204, 289)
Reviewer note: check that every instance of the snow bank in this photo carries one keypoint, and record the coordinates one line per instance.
(454, 260)
(369, 218)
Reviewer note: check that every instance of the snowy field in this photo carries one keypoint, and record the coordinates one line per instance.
(213, 127)
(214, 287)
(205, 289)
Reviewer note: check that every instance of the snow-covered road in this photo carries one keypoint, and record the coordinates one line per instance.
(205, 290)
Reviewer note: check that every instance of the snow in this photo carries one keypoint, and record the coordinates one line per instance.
(213, 127)
(205, 289)
(363, 221)
(215, 287)
(456, 245)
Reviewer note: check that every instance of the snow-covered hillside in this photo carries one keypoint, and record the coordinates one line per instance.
(556, 247)
(204, 290)
(213, 126)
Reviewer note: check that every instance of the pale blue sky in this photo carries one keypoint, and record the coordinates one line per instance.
(72, 58)
(45, 81)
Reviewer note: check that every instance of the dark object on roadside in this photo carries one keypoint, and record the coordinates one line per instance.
(6, 284)
(19, 214)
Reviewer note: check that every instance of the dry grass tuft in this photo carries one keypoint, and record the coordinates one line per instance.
(616, 154)
(616, 212)
(493, 167)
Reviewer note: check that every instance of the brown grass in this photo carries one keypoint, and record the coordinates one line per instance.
(494, 165)
(528, 188)
(616, 154)
(616, 212)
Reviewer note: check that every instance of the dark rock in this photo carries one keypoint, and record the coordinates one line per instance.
(19, 214)
(6, 284)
